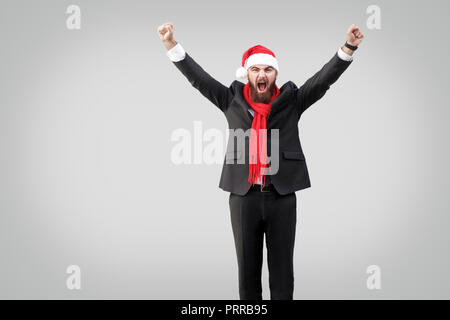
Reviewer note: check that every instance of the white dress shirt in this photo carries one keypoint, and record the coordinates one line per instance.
(177, 53)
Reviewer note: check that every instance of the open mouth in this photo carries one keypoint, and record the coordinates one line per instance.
(262, 86)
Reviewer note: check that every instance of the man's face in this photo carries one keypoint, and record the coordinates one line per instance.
(261, 78)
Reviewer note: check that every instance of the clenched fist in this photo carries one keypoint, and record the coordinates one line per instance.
(165, 32)
(354, 35)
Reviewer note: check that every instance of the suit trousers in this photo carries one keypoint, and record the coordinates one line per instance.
(253, 215)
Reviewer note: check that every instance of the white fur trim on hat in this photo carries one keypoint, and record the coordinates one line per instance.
(261, 58)
(257, 58)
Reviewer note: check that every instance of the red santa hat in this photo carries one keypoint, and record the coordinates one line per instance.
(256, 55)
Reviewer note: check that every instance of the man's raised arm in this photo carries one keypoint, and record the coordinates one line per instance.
(316, 86)
(209, 87)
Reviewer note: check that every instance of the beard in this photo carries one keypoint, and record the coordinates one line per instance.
(261, 97)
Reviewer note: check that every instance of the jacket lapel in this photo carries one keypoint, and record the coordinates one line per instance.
(279, 102)
(242, 103)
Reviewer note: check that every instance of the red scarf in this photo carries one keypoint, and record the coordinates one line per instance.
(257, 147)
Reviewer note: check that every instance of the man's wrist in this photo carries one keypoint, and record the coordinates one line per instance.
(169, 44)
(347, 50)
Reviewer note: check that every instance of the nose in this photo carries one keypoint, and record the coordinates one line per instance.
(262, 75)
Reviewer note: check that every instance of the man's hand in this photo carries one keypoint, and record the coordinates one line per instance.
(354, 35)
(165, 32)
(354, 38)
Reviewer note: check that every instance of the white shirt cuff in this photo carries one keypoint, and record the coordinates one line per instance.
(177, 53)
(343, 55)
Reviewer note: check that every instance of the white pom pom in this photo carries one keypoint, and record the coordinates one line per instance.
(241, 73)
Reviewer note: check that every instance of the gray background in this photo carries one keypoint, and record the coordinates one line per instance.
(86, 118)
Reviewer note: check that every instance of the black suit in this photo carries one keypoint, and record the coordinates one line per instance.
(284, 115)
(255, 213)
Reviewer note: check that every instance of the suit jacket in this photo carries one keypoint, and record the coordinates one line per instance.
(285, 113)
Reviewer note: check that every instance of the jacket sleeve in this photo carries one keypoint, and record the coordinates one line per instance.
(315, 87)
(209, 87)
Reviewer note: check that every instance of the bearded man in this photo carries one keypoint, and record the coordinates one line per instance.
(262, 196)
